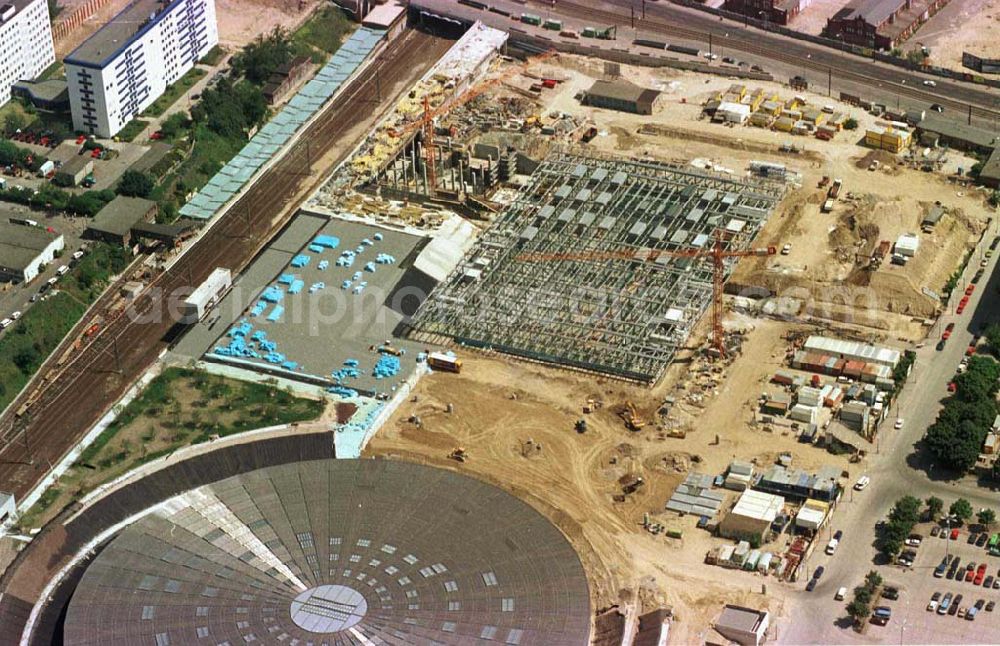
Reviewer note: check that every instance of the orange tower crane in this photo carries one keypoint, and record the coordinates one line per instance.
(716, 252)
(426, 121)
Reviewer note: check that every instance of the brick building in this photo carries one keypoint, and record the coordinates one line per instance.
(880, 24)
(776, 11)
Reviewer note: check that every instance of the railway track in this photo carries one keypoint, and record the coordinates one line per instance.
(128, 344)
(742, 40)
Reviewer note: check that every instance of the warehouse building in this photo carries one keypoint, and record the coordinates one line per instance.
(24, 249)
(622, 96)
(990, 174)
(751, 517)
(853, 350)
(799, 485)
(880, 24)
(26, 35)
(957, 134)
(127, 64)
(776, 11)
(75, 170)
(744, 626)
(115, 223)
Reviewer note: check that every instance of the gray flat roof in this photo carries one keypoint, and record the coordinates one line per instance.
(21, 244)
(76, 164)
(121, 214)
(874, 12)
(991, 169)
(121, 30)
(958, 130)
(739, 618)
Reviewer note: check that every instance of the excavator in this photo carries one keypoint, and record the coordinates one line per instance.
(628, 413)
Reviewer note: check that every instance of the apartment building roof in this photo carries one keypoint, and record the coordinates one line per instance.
(122, 30)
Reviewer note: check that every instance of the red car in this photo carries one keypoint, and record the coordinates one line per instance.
(969, 290)
(980, 575)
(964, 301)
(971, 350)
(970, 574)
(954, 532)
(951, 389)
(156, 135)
(81, 139)
(960, 308)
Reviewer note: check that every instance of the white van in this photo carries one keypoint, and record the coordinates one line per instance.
(62, 270)
(831, 547)
(4, 324)
(841, 593)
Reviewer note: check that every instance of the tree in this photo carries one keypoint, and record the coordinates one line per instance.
(858, 610)
(994, 198)
(262, 57)
(174, 125)
(851, 124)
(135, 184)
(873, 579)
(12, 123)
(961, 509)
(863, 593)
(86, 204)
(934, 507)
(906, 511)
(986, 516)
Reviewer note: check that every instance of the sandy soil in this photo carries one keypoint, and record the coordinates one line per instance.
(963, 25)
(240, 21)
(821, 267)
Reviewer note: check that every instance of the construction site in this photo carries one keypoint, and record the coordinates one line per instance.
(558, 277)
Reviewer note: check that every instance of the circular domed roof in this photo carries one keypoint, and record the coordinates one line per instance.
(335, 552)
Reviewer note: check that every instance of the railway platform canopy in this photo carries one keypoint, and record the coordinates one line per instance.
(225, 184)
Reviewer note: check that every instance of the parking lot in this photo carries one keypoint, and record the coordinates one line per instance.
(917, 584)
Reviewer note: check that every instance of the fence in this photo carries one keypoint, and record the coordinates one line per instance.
(62, 28)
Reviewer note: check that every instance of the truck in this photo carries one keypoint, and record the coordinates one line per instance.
(444, 362)
(206, 295)
(531, 19)
(46, 168)
(827, 206)
(552, 25)
(834, 189)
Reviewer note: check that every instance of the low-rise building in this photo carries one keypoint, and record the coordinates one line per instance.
(24, 249)
(812, 515)
(115, 222)
(75, 170)
(955, 133)
(623, 96)
(853, 350)
(989, 175)
(745, 626)
(880, 24)
(739, 476)
(907, 244)
(751, 517)
(285, 78)
(49, 96)
(776, 11)
(8, 507)
(799, 485)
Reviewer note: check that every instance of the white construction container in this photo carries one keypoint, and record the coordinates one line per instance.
(206, 295)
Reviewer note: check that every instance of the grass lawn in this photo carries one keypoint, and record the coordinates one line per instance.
(213, 56)
(174, 92)
(29, 341)
(178, 408)
(131, 130)
(323, 32)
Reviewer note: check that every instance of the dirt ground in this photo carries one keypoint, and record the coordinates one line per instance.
(501, 403)
(962, 25)
(240, 21)
(812, 19)
(877, 205)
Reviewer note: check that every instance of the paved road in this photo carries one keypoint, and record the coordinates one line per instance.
(898, 469)
(783, 57)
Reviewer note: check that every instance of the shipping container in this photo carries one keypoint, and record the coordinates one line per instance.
(206, 295)
(653, 44)
(441, 361)
(531, 19)
(682, 49)
(554, 25)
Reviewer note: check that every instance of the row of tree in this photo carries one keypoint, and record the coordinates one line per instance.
(860, 607)
(957, 435)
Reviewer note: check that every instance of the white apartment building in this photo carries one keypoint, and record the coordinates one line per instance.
(26, 48)
(120, 70)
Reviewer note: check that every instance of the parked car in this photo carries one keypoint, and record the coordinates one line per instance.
(945, 604)
(899, 423)
(881, 615)
(15, 315)
(914, 540)
(988, 583)
(935, 530)
(841, 593)
(862, 483)
(932, 605)
(970, 575)
(940, 345)
(890, 592)
(981, 541)
(5, 323)
(811, 585)
(819, 572)
(955, 603)
(969, 290)
(990, 606)
(930, 83)
(980, 575)
(972, 538)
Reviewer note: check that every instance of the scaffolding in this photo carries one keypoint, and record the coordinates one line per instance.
(624, 317)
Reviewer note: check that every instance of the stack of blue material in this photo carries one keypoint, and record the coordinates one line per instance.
(297, 286)
(330, 242)
(323, 264)
(300, 260)
(315, 248)
(258, 336)
(258, 308)
(346, 259)
(360, 287)
(276, 313)
(385, 259)
(274, 357)
(268, 346)
(242, 329)
(286, 279)
(387, 366)
(273, 294)
(378, 236)
(289, 365)
(343, 391)
(315, 287)
(370, 267)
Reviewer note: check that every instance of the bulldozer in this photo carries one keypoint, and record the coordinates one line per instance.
(458, 454)
(632, 420)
